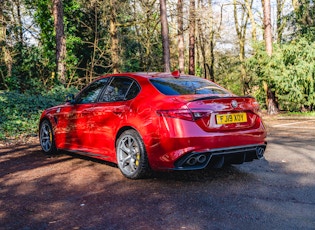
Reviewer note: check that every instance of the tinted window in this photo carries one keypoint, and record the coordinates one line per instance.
(90, 94)
(120, 88)
(133, 91)
(186, 86)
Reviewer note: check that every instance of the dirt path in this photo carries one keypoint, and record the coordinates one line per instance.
(71, 192)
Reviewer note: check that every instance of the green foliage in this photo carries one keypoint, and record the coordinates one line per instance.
(20, 112)
(303, 20)
(291, 70)
(141, 42)
(30, 70)
(228, 73)
(87, 27)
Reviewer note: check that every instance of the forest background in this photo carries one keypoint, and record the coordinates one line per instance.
(263, 48)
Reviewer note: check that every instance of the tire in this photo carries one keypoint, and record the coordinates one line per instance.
(131, 155)
(47, 138)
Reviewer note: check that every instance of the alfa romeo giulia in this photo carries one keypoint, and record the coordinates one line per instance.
(156, 121)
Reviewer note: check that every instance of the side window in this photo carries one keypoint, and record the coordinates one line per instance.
(118, 90)
(133, 91)
(90, 94)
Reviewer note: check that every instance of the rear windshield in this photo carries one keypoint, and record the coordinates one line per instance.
(185, 85)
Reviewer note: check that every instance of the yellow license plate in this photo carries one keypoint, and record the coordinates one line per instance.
(231, 118)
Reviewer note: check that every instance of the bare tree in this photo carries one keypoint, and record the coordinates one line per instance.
(271, 97)
(241, 28)
(192, 18)
(249, 4)
(165, 38)
(201, 42)
(114, 36)
(280, 22)
(267, 26)
(180, 36)
(60, 40)
(5, 55)
(147, 33)
(17, 20)
(206, 39)
(211, 38)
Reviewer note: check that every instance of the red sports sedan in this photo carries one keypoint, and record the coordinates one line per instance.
(156, 121)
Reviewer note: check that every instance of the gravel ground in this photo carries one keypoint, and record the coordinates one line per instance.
(68, 191)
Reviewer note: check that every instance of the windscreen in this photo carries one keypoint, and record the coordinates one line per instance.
(186, 85)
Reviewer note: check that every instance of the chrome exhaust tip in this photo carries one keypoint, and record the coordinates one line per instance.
(194, 160)
(201, 159)
(191, 161)
(260, 152)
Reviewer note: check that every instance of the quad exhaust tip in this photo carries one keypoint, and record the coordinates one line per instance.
(242, 155)
(197, 160)
(260, 152)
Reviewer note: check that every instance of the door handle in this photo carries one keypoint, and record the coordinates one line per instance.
(118, 111)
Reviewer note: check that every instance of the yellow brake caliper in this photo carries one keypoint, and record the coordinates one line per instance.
(50, 136)
(137, 159)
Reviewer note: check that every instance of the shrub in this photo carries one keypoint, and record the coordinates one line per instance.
(20, 112)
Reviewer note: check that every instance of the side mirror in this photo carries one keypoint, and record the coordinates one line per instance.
(70, 98)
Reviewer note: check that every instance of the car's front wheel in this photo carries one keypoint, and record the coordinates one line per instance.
(131, 155)
(46, 137)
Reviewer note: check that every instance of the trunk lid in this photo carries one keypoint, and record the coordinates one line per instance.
(224, 113)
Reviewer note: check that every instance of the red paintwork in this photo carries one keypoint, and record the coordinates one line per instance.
(94, 128)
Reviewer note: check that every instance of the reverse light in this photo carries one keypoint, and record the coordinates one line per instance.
(200, 114)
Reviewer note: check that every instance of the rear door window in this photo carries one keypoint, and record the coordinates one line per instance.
(120, 89)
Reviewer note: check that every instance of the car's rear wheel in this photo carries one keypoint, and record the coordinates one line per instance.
(47, 138)
(131, 155)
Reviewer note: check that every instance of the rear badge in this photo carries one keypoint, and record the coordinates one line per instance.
(234, 104)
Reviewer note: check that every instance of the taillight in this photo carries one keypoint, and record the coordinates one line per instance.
(256, 108)
(180, 113)
(184, 114)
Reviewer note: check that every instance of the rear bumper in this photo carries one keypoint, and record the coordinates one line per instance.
(216, 158)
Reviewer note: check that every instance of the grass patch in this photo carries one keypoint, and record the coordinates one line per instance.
(300, 114)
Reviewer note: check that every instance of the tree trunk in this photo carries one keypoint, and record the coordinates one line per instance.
(201, 41)
(192, 37)
(60, 40)
(248, 5)
(95, 45)
(267, 27)
(4, 52)
(272, 105)
(17, 20)
(114, 37)
(211, 67)
(280, 23)
(180, 34)
(241, 28)
(2, 25)
(165, 39)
